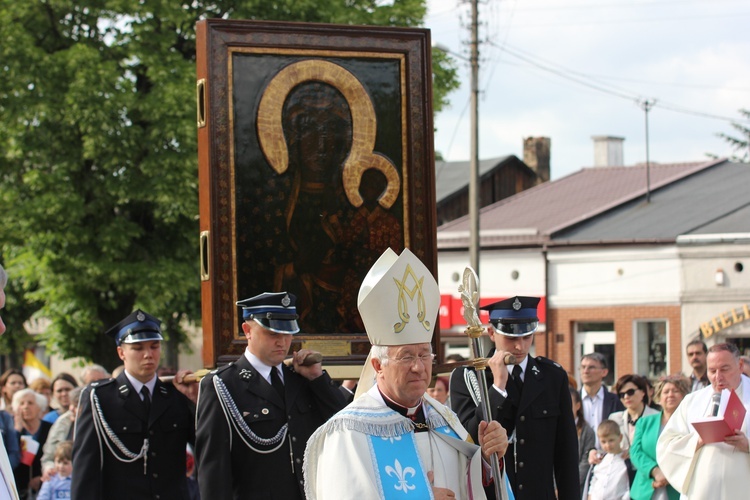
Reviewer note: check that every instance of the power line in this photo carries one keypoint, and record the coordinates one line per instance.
(606, 88)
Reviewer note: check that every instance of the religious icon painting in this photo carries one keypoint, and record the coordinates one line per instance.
(315, 156)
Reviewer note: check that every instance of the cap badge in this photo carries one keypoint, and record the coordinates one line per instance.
(286, 301)
(140, 317)
(403, 305)
(516, 304)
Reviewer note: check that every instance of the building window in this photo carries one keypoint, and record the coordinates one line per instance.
(651, 346)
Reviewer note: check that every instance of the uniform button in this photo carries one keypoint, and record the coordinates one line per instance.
(544, 412)
(298, 460)
(520, 464)
(294, 439)
(155, 475)
(522, 419)
(174, 426)
(153, 454)
(124, 428)
(520, 487)
(255, 415)
(521, 441)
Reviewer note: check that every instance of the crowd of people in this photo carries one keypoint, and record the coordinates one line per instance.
(36, 423)
(270, 427)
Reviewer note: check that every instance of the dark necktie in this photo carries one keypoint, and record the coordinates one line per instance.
(517, 377)
(276, 382)
(146, 399)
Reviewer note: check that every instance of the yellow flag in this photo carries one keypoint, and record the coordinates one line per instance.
(33, 368)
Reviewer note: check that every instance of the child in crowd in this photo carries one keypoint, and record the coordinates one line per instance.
(59, 485)
(610, 478)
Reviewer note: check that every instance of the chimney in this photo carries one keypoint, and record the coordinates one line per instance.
(608, 151)
(536, 155)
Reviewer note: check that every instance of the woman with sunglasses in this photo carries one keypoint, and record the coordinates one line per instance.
(633, 393)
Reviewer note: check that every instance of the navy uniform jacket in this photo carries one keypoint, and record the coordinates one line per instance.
(168, 427)
(227, 465)
(547, 442)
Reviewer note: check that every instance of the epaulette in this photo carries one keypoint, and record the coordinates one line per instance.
(101, 383)
(221, 369)
(548, 361)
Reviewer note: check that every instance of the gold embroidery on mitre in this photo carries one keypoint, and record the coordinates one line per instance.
(403, 304)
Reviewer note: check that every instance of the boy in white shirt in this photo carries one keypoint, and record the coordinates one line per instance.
(609, 479)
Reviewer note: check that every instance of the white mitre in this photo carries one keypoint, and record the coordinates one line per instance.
(398, 301)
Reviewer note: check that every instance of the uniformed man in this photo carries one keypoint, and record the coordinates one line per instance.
(255, 415)
(131, 432)
(530, 399)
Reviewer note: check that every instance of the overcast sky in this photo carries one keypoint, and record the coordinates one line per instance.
(688, 55)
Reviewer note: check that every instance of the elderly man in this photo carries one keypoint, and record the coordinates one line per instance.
(530, 399)
(696, 352)
(717, 470)
(255, 415)
(7, 481)
(394, 440)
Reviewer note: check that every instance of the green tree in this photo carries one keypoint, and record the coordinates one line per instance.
(741, 145)
(98, 154)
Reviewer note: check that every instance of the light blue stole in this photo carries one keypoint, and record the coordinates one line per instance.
(399, 469)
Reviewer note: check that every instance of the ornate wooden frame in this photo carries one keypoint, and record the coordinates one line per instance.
(251, 204)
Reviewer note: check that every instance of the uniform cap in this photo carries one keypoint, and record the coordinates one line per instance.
(274, 311)
(138, 326)
(514, 317)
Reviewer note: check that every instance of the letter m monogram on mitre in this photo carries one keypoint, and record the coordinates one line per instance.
(410, 286)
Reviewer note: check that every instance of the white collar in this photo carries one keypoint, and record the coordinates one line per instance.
(263, 369)
(598, 395)
(137, 384)
(523, 364)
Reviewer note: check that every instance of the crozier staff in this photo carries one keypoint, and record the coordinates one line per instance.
(131, 431)
(256, 414)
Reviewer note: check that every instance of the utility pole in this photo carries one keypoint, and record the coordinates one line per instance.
(474, 195)
(647, 105)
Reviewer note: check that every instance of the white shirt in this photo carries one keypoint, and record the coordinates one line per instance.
(137, 384)
(609, 480)
(263, 369)
(592, 409)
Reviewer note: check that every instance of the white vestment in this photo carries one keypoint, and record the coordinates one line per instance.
(340, 461)
(7, 479)
(717, 471)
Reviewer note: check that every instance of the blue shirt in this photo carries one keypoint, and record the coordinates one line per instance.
(56, 487)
